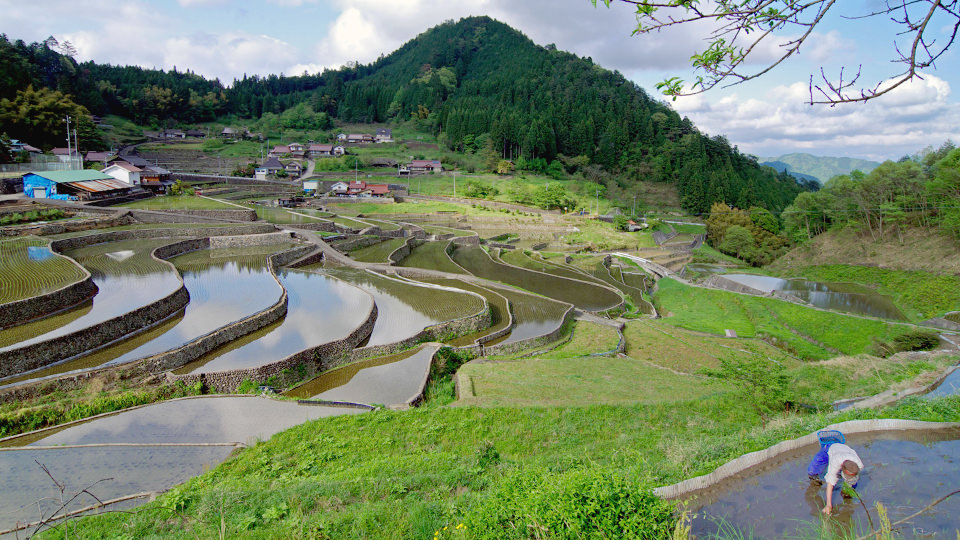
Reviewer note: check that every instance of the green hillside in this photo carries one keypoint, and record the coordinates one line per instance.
(477, 86)
(821, 167)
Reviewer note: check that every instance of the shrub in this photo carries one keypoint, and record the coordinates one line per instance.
(913, 340)
(572, 504)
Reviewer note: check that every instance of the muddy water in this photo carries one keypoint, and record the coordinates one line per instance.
(320, 309)
(224, 285)
(406, 308)
(388, 380)
(128, 278)
(848, 297)
(903, 470)
(583, 295)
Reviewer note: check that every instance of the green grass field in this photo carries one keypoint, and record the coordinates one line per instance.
(377, 253)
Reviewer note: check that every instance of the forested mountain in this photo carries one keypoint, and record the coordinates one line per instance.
(780, 166)
(478, 84)
(822, 167)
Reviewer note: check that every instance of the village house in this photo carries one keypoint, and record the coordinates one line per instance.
(320, 150)
(360, 188)
(279, 151)
(153, 177)
(425, 165)
(293, 168)
(384, 135)
(272, 165)
(17, 146)
(81, 185)
(124, 172)
(98, 157)
(359, 138)
(64, 154)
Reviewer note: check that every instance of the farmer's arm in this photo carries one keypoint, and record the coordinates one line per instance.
(829, 507)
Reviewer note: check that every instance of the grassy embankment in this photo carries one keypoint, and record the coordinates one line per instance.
(377, 253)
(805, 332)
(178, 202)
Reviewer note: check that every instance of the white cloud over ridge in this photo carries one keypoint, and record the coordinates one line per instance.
(911, 117)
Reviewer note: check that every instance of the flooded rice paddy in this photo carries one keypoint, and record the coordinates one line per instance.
(847, 297)
(225, 285)
(583, 295)
(146, 466)
(28, 267)
(388, 380)
(320, 309)
(128, 278)
(949, 386)
(377, 253)
(532, 316)
(903, 470)
(499, 310)
(431, 256)
(405, 308)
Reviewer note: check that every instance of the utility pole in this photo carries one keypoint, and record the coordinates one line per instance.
(69, 152)
(76, 146)
(598, 202)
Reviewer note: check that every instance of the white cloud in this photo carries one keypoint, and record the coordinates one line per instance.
(911, 117)
(229, 55)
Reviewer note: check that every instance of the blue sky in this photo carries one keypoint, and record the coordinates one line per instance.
(766, 117)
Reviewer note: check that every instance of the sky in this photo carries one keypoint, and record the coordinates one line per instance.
(767, 117)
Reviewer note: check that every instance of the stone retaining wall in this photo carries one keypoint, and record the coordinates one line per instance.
(66, 244)
(355, 242)
(485, 203)
(348, 200)
(38, 355)
(65, 226)
(404, 250)
(235, 180)
(753, 459)
(323, 226)
(457, 327)
(225, 214)
(313, 360)
(466, 241)
(278, 237)
(23, 311)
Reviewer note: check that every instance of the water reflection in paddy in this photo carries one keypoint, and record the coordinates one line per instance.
(128, 278)
(532, 316)
(905, 471)
(224, 285)
(390, 380)
(320, 309)
(847, 297)
(406, 308)
(949, 386)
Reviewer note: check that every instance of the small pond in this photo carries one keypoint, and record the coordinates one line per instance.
(583, 295)
(320, 309)
(404, 308)
(389, 380)
(848, 297)
(903, 470)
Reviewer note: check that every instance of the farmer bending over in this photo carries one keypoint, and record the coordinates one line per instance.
(838, 459)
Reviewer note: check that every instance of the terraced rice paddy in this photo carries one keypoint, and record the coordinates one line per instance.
(282, 216)
(377, 253)
(29, 268)
(225, 285)
(583, 295)
(128, 278)
(532, 315)
(388, 380)
(352, 223)
(440, 230)
(406, 308)
(499, 310)
(519, 258)
(432, 256)
(384, 225)
(320, 309)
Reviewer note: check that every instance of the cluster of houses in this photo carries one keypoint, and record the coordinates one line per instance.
(122, 176)
(359, 188)
(383, 135)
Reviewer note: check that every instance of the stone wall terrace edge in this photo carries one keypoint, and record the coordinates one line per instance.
(35, 307)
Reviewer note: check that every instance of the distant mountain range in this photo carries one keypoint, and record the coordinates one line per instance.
(821, 168)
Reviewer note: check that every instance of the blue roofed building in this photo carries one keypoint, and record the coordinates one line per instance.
(80, 185)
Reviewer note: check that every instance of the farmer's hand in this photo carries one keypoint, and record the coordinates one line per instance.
(827, 509)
